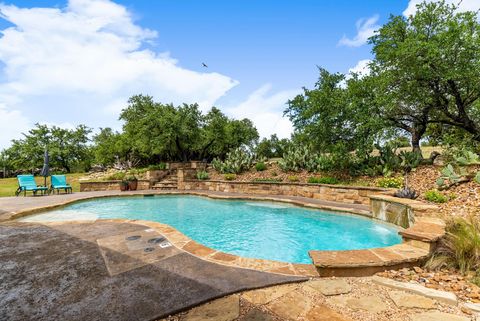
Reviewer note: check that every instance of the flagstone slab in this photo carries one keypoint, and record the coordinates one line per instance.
(443, 296)
(330, 286)
(324, 313)
(224, 309)
(407, 300)
(256, 315)
(291, 306)
(263, 296)
(368, 303)
(437, 316)
(475, 307)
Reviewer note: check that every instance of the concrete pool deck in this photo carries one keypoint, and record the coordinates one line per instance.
(94, 271)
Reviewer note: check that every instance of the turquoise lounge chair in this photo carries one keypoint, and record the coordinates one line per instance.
(27, 183)
(60, 182)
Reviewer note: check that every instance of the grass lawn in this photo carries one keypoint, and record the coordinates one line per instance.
(8, 186)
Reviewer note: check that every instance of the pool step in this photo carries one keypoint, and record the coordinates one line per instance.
(369, 261)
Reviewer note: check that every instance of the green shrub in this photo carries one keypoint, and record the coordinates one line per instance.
(230, 177)
(116, 176)
(160, 166)
(260, 166)
(293, 178)
(131, 178)
(435, 196)
(274, 173)
(267, 180)
(323, 180)
(390, 182)
(236, 162)
(460, 247)
(202, 175)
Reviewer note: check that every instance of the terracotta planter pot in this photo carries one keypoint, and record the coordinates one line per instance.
(132, 185)
(123, 187)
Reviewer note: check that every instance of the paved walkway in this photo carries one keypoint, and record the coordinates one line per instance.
(339, 299)
(10, 206)
(107, 271)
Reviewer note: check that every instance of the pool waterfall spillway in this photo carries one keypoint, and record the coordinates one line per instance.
(395, 213)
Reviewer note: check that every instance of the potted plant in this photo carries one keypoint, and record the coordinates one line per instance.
(123, 185)
(132, 182)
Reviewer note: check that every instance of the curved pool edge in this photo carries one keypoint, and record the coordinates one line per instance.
(345, 208)
(417, 241)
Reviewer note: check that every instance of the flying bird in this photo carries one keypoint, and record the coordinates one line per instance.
(204, 65)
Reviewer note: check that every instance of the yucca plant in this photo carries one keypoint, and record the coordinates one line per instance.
(460, 247)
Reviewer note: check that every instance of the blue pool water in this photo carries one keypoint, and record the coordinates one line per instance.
(265, 230)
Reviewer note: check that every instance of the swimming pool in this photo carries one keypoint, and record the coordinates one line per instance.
(256, 229)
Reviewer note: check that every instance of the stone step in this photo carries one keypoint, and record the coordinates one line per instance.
(165, 184)
(367, 262)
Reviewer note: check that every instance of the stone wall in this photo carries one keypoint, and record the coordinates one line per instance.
(110, 185)
(336, 193)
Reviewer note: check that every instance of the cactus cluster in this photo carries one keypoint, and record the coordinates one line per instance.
(301, 157)
(237, 161)
(459, 172)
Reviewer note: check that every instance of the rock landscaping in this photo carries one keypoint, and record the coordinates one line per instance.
(331, 299)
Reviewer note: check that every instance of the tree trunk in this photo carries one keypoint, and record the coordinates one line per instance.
(416, 142)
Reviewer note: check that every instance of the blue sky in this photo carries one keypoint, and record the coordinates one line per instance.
(78, 61)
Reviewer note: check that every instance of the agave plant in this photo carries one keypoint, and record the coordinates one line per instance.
(406, 192)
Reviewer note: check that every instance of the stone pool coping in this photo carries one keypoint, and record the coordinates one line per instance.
(418, 240)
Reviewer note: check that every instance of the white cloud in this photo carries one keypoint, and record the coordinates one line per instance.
(266, 110)
(365, 29)
(361, 68)
(12, 123)
(464, 5)
(80, 64)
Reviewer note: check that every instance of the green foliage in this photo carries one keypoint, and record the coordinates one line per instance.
(165, 132)
(477, 177)
(467, 157)
(68, 149)
(435, 196)
(111, 147)
(390, 182)
(423, 69)
(295, 159)
(338, 113)
(267, 180)
(272, 147)
(236, 162)
(159, 166)
(450, 175)
(230, 177)
(274, 173)
(116, 176)
(460, 248)
(293, 178)
(260, 166)
(202, 175)
(323, 180)
(131, 178)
